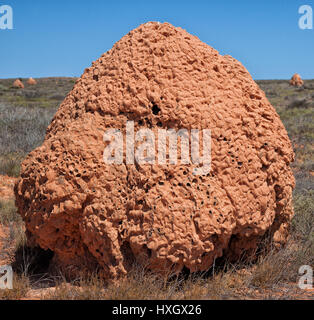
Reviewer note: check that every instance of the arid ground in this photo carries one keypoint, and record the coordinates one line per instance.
(24, 117)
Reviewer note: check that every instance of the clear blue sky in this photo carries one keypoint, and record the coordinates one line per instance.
(62, 38)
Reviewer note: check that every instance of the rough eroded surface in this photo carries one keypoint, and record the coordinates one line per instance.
(296, 80)
(90, 213)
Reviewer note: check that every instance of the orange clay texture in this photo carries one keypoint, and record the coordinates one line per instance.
(94, 214)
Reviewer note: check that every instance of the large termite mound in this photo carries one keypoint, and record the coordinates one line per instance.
(91, 213)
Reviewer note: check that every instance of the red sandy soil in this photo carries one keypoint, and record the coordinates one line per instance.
(4, 258)
(2, 236)
(6, 187)
(6, 193)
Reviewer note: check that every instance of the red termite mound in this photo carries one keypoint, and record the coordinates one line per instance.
(31, 81)
(296, 80)
(18, 84)
(91, 213)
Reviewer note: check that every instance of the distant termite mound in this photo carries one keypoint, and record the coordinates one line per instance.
(296, 80)
(18, 84)
(31, 81)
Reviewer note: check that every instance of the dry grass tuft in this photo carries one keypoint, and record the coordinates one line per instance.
(8, 212)
(21, 285)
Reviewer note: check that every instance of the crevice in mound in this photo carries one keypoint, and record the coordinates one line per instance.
(128, 257)
(239, 249)
(32, 260)
(147, 251)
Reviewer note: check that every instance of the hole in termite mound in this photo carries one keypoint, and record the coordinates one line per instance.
(128, 256)
(32, 260)
(155, 109)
